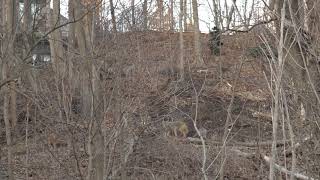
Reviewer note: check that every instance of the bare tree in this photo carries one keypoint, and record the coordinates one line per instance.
(71, 32)
(145, 14)
(171, 15)
(181, 63)
(185, 24)
(27, 18)
(133, 19)
(160, 14)
(90, 89)
(56, 39)
(113, 17)
(197, 44)
(216, 13)
(229, 18)
(294, 51)
(9, 106)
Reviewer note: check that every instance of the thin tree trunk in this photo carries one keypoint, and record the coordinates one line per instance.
(133, 15)
(145, 14)
(229, 18)
(27, 22)
(171, 16)
(13, 105)
(185, 23)
(27, 18)
(90, 91)
(11, 14)
(197, 45)
(181, 64)
(6, 117)
(71, 32)
(113, 17)
(56, 39)
(160, 13)
(216, 14)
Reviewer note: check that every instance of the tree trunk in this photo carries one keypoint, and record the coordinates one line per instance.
(295, 66)
(145, 14)
(13, 105)
(160, 13)
(6, 117)
(90, 93)
(113, 17)
(197, 45)
(171, 16)
(11, 16)
(9, 112)
(229, 18)
(216, 14)
(181, 63)
(133, 15)
(71, 32)
(56, 39)
(185, 23)
(27, 28)
(27, 18)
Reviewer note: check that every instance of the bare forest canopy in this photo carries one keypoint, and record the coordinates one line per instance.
(159, 89)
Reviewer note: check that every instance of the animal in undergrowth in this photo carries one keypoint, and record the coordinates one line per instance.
(54, 141)
(177, 128)
(215, 41)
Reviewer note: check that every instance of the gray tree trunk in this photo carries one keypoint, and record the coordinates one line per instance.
(216, 14)
(133, 19)
(6, 117)
(145, 14)
(171, 15)
(160, 13)
(9, 111)
(90, 92)
(197, 43)
(185, 23)
(56, 39)
(72, 17)
(27, 17)
(113, 17)
(181, 63)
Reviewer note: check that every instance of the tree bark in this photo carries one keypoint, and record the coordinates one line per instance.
(6, 117)
(296, 69)
(229, 18)
(90, 93)
(13, 105)
(181, 63)
(27, 18)
(11, 16)
(71, 32)
(133, 19)
(216, 14)
(185, 23)
(56, 39)
(9, 115)
(160, 13)
(145, 14)
(113, 17)
(197, 44)
(171, 16)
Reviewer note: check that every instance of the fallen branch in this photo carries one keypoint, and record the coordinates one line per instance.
(7, 81)
(244, 144)
(284, 170)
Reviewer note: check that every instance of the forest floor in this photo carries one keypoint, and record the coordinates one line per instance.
(232, 85)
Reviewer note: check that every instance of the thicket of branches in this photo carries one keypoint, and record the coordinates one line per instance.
(93, 108)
